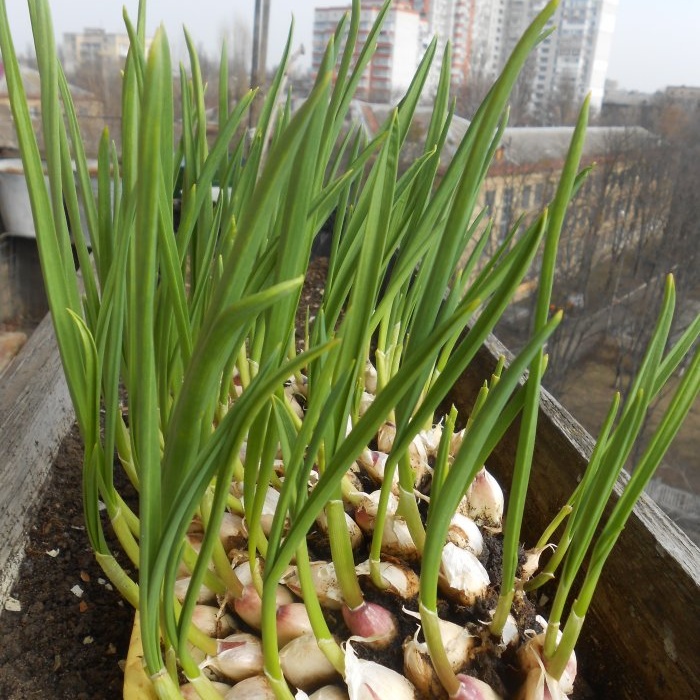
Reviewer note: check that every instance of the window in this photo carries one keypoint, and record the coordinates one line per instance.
(527, 190)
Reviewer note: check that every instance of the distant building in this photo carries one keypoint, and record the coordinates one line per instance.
(398, 47)
(93, 45)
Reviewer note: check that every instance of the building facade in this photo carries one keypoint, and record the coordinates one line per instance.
(398, 51)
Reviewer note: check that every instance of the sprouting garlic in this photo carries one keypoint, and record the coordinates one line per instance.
(290, 395)
(485, 500)
(373, 463)
(399, 578)
(397, 540)
(239, 656)
(532, 562)
(189, 692)
(232, 531)
(325, 584)
(210, 620)
(465, 533)
(292, 622)
(539, 685)
(531, 658)
(456, 441)
(205, 595)
(249, 606)
(417, 665)
(356, 537)
(462, 577)
(367, 680)
(304, 665)
(372, 623)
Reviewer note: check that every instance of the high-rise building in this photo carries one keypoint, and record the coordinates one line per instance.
(568, 64)
(398, 47)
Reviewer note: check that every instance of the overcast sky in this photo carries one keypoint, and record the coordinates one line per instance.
(656, 43)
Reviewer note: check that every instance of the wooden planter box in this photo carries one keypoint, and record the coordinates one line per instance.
(639, 637)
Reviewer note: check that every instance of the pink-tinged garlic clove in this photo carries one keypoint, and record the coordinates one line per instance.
(368, 680)
(249, 606)
(462, 577)
(239, 656)
(325, 581)
(485, 500)
(474, 689)
(205, 595)
(370, 378)
(465, 533)
(292, 622)
(373, 463)
(304, 665)
(372, 623)
(253, 688)
(329, 692)
(385, 437)
(356, 537)
(189, 691)
(210, 620)
(400, 580)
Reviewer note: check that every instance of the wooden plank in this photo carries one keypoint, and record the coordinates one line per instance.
(35, 415)
(640, 636)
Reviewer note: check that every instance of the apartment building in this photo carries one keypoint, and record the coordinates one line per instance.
(565, 67)
(92, 45)
(398, 52)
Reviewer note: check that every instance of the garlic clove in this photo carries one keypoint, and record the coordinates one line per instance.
(325, 584)
(249, 605)
(304, 665)
(532, 562)
(462, 577)
(253, 688)
(465, 533)
(367, 507)
(431, 439)
(292, 622)
(531, 658)
(385, 436)
(399, 579)
(474, 689)
(372, 623)
(239, 656)
(205, 595)
(397, 540)
(370, 378)
(365, 402)
(485, 500)
(368, 680)
(210, 620)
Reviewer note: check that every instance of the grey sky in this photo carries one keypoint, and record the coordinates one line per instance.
(656, 44)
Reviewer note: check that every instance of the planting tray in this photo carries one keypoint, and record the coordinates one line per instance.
(638, 639)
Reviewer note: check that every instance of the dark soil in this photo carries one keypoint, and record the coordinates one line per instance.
(58, 645)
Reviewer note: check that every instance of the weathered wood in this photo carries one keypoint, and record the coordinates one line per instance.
(35, 415)
(640, 636)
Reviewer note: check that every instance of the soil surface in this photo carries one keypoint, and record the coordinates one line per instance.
(63, 644)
